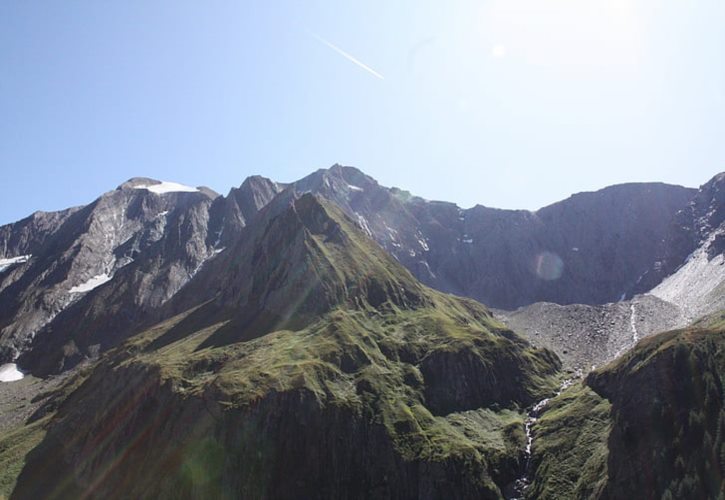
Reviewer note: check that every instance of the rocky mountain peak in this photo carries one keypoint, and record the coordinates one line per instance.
(301, 258)
(146, 184)
(254, 194)
(337, 182)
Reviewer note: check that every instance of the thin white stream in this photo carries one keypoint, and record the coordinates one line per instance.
(633, 323)
(524, 480)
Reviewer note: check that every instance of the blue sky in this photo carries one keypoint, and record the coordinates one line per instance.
(506, 103)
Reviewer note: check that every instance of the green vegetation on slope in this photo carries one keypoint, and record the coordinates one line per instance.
(27, 422)
(715, 321)
(321, 370)
(570, 450)
(14, 447)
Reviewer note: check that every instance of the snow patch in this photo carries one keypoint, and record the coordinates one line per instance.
(425, 264)
(391, 232)
(354, 188)
(6, 263)
(468, 240)
(92, 283)
(9, 373)
(423, 244)
(219, 239)
(167, 187)
(363, 222)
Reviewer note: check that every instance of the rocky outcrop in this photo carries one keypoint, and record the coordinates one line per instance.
(90, 246)
(697, 225)
(463, 379)
(27, 236)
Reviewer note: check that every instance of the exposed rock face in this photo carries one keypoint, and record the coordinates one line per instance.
(147, 241)
(159, 261)
(590, 248)
(696, 250)
(594, 335)
(89, 247)
(460, 380)
(345, 393)
(587, 249)
(27, 236)
(696, 225)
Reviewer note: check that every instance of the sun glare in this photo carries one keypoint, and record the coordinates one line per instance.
(498, 51)
(584, 33)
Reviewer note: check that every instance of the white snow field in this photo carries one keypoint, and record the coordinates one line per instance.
(9, 373)
(167, 187)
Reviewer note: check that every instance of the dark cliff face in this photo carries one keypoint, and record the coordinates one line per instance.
(649, 425)
(668, 429)
(700, 222)
(371, 385)
(590, 248)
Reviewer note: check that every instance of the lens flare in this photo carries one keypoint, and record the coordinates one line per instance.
(549, 266)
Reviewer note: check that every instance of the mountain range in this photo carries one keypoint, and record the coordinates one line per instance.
(326, 338)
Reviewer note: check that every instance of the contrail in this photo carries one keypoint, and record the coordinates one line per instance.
(346, 55)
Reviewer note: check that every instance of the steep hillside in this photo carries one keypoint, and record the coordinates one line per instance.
(319, 369)
(697, 228)
(649, 425)
(694, 254)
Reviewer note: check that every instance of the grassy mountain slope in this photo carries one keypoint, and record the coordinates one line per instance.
(319, 368)
(570, 449)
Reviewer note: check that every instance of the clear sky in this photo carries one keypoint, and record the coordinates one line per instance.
(507, 103)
